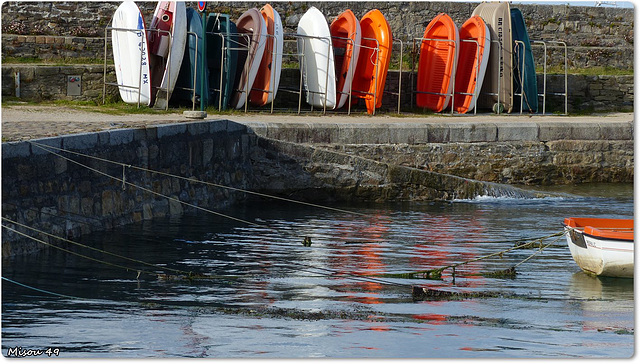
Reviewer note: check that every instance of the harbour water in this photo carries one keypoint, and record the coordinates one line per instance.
(266, 295)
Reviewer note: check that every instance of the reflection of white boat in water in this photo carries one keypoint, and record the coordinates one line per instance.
(586, 287)
(603, 247)
(604, 303)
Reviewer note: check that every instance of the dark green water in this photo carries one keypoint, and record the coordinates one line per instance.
(278, 298)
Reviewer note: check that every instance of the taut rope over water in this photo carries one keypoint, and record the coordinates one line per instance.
(436, 273)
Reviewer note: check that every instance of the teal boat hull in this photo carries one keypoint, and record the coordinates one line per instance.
(529, 83)
(221, 72)
(190, 61)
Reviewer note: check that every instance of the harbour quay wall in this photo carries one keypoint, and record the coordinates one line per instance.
(64, 198)
(529, 152)
(312, 161)
(585, 93)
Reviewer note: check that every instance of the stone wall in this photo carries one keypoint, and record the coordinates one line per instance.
(52, 47)
(39, 83)
(312, 162)
(47, 192)
(530, 153)
(522, 162)
(586, 93)
(596, 36)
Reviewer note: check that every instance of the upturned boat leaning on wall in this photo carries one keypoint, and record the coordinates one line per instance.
(603, 247)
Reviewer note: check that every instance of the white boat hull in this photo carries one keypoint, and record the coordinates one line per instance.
(318, 67)
(277, 64)
(499, 75)
(130, 54)
(600, 256)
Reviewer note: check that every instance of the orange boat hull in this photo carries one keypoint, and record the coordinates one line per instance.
(345, 33)
(470, 71)
(438, 61)
(369, 80)
(259, 94)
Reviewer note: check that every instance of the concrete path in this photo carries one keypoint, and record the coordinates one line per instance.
(23, 122)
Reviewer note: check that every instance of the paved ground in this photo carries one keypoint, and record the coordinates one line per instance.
(21, 122)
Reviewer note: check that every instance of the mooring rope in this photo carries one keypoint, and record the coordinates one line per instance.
(561, 235)
(186, 275)
(44, 146)
(42, 290)
(78, 254)
(154, 192)
(436, 273)
(332, 273)
(95, 249)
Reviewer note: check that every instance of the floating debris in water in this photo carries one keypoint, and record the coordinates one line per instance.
(425, 274)
(424, 293)
(307, 241)
(505, 273)
(191, 277)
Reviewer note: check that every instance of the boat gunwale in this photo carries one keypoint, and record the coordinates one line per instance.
(588, 228)
(600, 237)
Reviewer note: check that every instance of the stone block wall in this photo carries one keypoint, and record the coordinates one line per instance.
(312, 162)
(52, 47)
(596, 36)
(56, 195)
(514, 162)
(38, 83)
(530, 153)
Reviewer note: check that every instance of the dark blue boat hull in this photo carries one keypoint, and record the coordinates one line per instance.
(219, 27)
(190, 61)
(529, 82)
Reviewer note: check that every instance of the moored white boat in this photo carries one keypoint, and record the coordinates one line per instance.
(603, 247)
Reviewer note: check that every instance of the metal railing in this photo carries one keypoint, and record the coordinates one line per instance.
(565, 94)
(399, 93)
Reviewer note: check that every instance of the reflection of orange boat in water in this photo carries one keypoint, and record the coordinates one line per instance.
(364, 258)
(445, 243)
